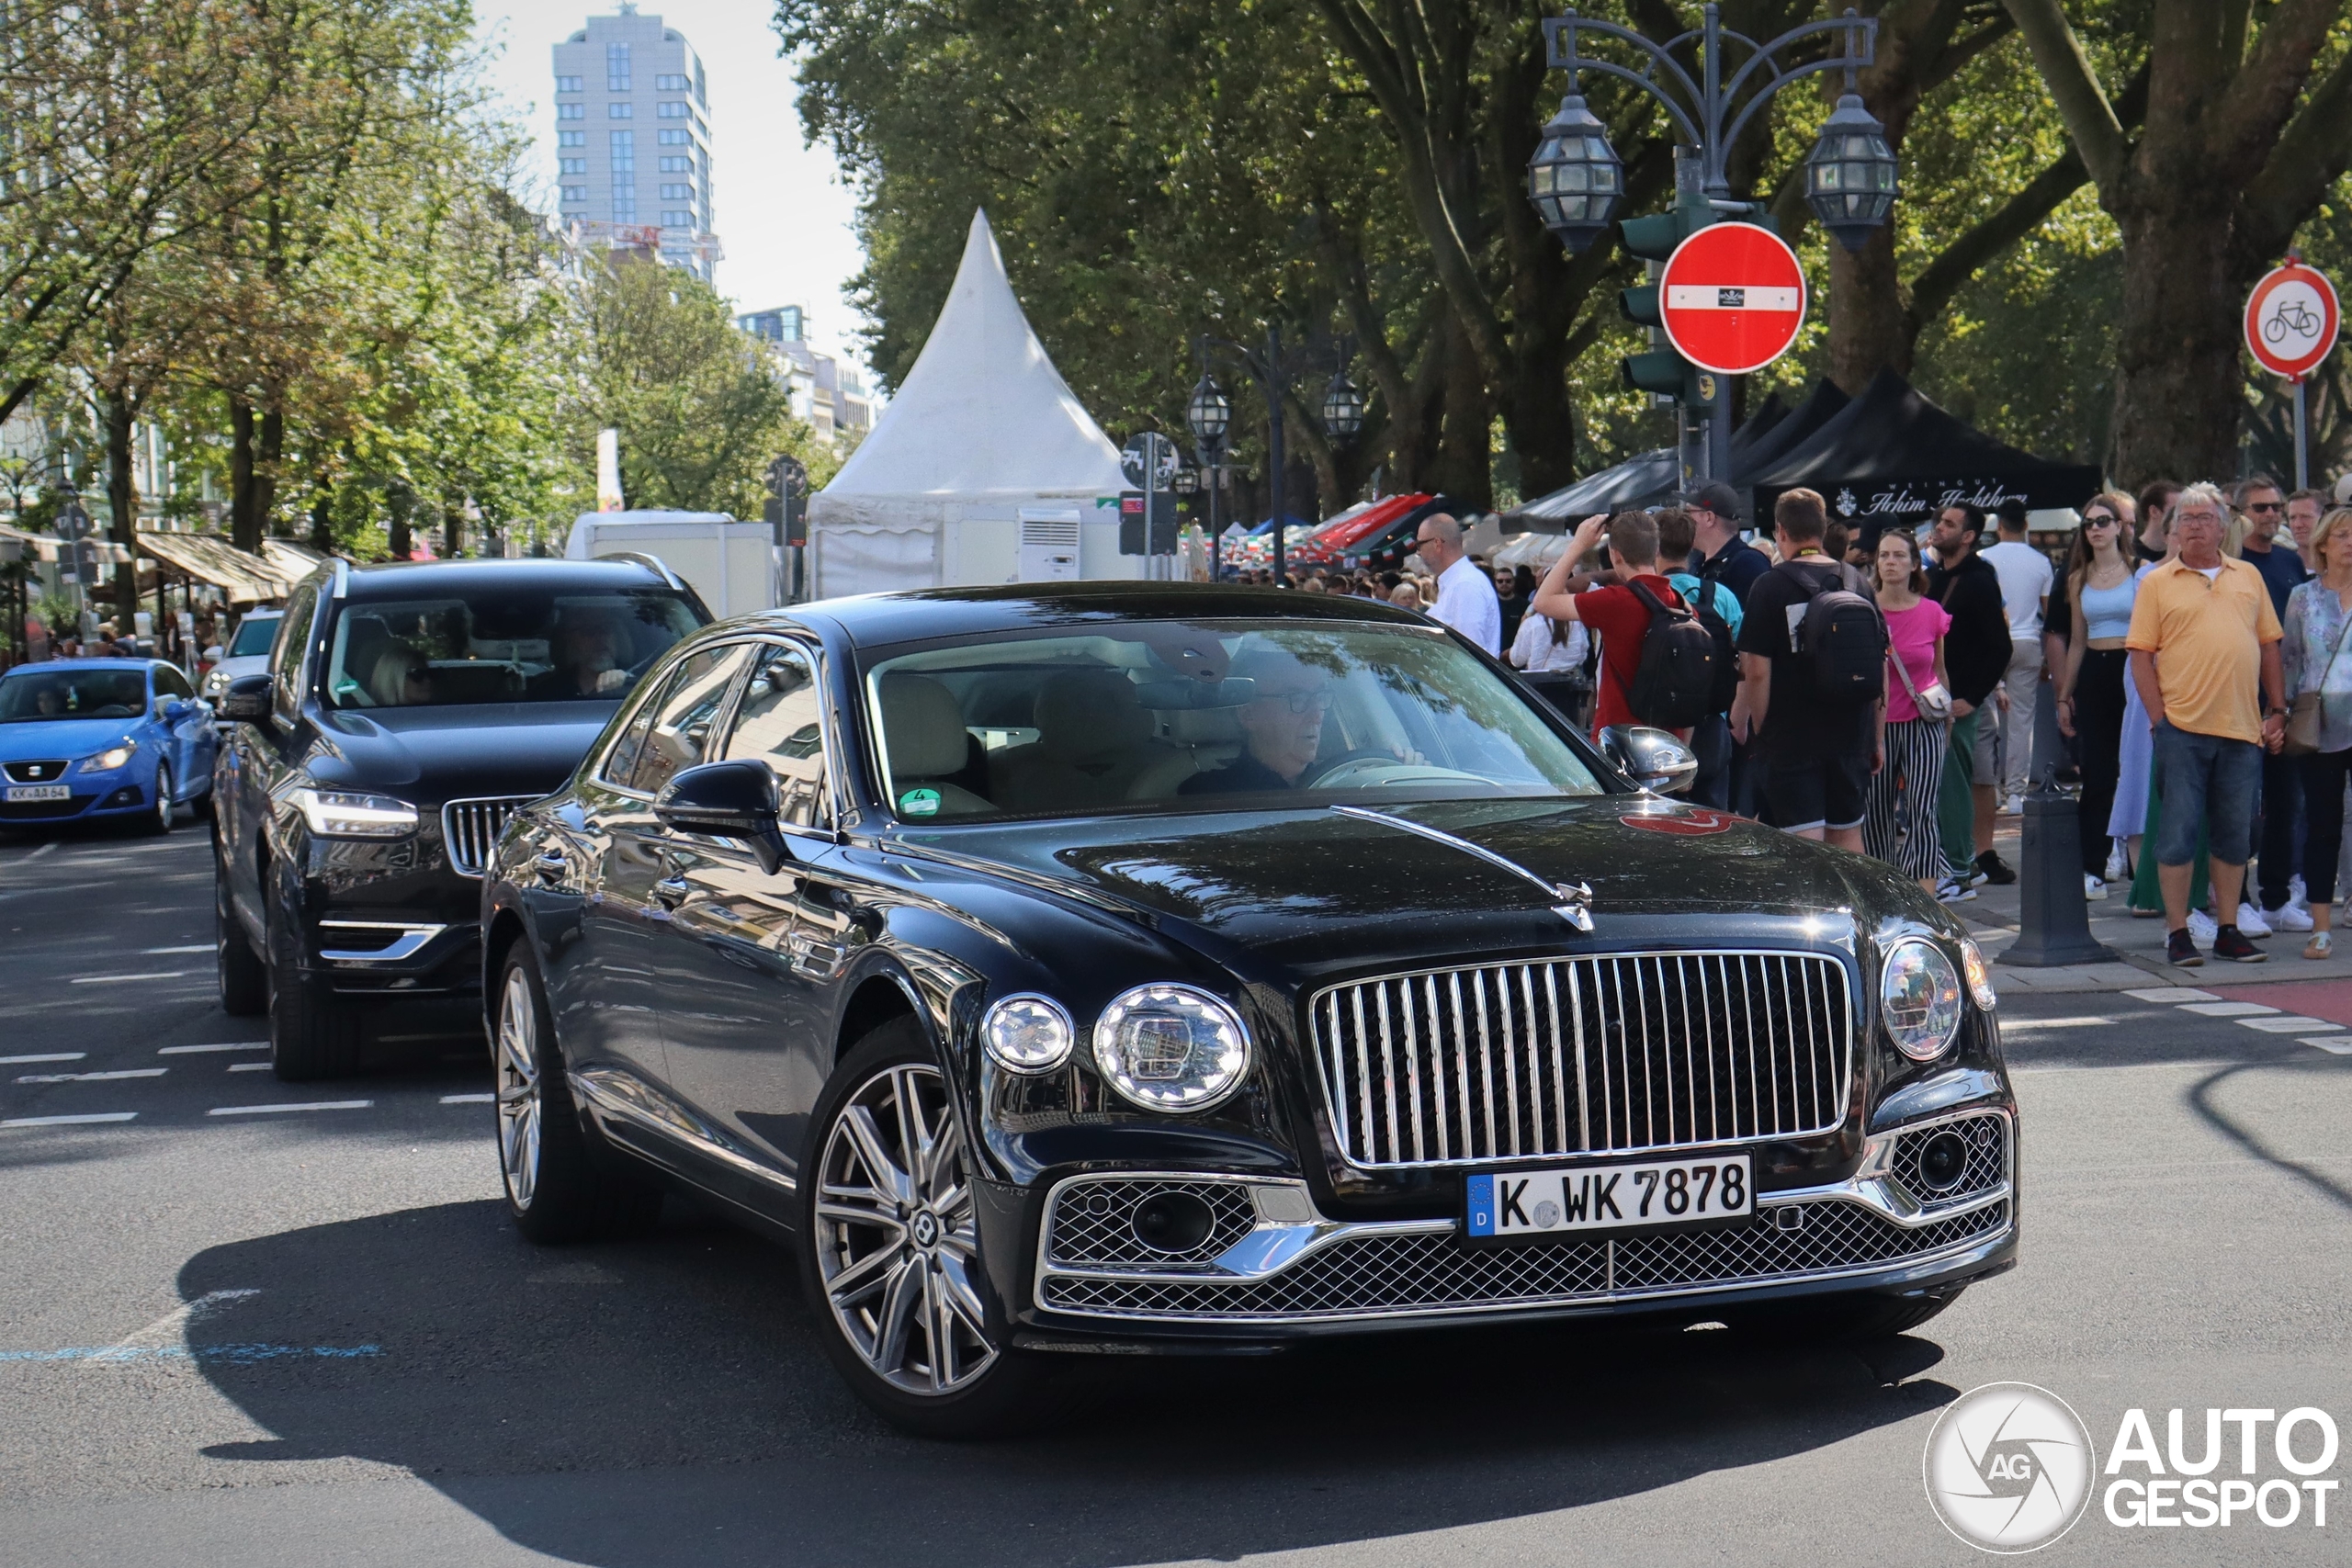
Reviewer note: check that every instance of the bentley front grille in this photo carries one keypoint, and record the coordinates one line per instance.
(1621, 1053)
(1434, 1272)
(470, 828)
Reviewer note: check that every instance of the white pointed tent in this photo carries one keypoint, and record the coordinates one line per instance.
(983, 468)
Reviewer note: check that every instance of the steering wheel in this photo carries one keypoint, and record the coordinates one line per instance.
(1330, 777)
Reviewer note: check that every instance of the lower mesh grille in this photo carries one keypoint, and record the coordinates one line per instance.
(1438, 1273)
(1987, 1166)
(1094, 1223)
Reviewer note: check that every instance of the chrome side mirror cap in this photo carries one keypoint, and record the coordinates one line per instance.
(1653, 759)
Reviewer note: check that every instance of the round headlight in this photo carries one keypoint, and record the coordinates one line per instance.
(1980, 974)
(1027, 1034)
(1171, 1048)
(1918, 993)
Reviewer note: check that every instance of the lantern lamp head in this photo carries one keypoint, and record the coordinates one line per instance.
(1576, 179)
(1849, 177)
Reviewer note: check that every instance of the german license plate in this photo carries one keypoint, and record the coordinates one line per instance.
(39, 792)
(1590, 1200)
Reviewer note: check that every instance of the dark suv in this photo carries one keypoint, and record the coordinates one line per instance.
(407, 711)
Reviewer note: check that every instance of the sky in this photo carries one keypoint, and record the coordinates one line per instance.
(782, 212)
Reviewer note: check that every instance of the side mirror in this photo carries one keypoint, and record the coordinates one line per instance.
(247, 700)
(727, 800)
(1653, 758)
(176, 709)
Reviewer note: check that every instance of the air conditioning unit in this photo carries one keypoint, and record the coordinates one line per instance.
(1049, 546)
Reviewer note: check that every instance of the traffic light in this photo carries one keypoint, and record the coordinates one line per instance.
(1661, 371)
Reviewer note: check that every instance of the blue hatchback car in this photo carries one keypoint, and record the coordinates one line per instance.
(123, 738)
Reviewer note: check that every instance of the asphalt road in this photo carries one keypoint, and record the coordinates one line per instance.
(322, 1344)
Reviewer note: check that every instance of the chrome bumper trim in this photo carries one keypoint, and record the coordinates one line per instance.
(408, 944)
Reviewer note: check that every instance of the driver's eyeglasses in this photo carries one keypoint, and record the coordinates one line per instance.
(1316, 697)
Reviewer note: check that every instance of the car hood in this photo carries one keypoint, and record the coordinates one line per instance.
(1312, 890)
(71, 739)
(433, 754)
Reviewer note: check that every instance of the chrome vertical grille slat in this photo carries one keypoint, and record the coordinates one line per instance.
(470, 828)
(1616, 1053)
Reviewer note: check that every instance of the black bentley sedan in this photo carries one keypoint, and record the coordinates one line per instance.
(1133, 966)
(407, 710)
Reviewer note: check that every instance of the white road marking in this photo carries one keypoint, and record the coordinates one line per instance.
(249, 1066)
(151, 974)
(192, 1050)
(2337, 1044)
(68, 1120)
(2013, 1024)
(2227, 1009)
(94, 1077)
(306, 1105)
(48, 849)
(164, 952)
(2290, 1024)
(43, 1056)
(470, 1099)
(168, 1329)
(2175, 993)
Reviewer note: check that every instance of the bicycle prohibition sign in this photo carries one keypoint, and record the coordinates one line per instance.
(2291, 321)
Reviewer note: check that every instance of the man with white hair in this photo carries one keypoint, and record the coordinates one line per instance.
(1466, 595)
(2202, 632)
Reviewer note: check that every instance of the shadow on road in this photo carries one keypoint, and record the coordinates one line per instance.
(678, 1381)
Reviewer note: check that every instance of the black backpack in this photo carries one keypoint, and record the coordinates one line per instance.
(1674, 687)
(1845, 636)
(1727, 676)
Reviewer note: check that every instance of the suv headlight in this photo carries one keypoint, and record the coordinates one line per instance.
(1919, 995)
(1979, 974)
(216, 681)
(1027, 1034)
(1171, 1048)
(110, 759)
(336, 814)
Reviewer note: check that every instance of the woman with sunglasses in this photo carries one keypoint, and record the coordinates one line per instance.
(2100, 590)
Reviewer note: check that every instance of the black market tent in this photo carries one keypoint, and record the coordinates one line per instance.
(1824, 403)
(1758, 425)
(1892, 453)
(1647, 478)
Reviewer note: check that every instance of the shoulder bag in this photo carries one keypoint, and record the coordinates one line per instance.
(2303, 717)
(1935, 703)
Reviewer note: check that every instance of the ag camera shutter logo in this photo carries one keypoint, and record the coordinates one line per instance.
(2008, 1467)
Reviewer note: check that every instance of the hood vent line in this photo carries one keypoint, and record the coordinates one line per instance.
(1573, 899)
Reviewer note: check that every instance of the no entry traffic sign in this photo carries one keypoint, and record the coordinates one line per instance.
(1732, 299)
(2290, 320)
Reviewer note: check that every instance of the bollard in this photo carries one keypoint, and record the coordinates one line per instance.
(2054, 923)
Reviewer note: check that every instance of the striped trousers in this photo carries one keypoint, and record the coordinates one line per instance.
(1900, 828)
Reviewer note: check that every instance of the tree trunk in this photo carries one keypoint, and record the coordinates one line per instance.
(323, 517)
(1464, 468)
(2178, 384)
(268, 450)
(122, 500)
(244, 522)
(397, 500)
(1869, 328)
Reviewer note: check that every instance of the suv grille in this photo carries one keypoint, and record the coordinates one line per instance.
(1620, 1053)
(470, 828)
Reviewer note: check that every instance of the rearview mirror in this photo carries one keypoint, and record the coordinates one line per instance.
(246, 699)
(1653, 758)
(727, 800)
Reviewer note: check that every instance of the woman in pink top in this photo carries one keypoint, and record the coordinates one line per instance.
(1900, 826)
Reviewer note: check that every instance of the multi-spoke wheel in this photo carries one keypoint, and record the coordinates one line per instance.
(557, 1187)
(891, 1247)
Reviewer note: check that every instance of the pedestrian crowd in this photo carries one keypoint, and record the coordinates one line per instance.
(1880, 689)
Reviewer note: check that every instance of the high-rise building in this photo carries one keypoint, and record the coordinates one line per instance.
(633, 139)
(826, 394)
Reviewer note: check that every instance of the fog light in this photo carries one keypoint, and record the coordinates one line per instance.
(1943, 1161)
(1172, 1222)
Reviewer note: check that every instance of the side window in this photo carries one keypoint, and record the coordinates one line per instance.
(286, 652)
(780, 723)
(680, 734)
(170, 683)
(621, 761)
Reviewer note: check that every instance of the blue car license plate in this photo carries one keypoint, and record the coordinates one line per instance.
(1591, 1200)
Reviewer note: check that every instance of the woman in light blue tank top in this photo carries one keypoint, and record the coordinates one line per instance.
(2100, 591)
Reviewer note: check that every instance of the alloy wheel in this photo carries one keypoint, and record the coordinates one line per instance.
(896, 1237)
(519, 1098)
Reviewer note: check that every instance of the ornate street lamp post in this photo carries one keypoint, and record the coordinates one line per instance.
(1273, 368)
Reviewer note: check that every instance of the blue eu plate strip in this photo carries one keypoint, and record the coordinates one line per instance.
(1482, 1205)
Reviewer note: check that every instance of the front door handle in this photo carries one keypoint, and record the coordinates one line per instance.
(670, 892)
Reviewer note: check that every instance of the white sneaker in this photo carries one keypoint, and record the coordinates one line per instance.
(2202, 929)
(2013, 806)
(2116, 868)
(2094, 888)
(2289, 917)
(1951, 890)
(2250, 921)
(2296, 892)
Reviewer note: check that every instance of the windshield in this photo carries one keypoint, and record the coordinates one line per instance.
(254, 634)
(64, 692)
(1205, 716)
(505, 647)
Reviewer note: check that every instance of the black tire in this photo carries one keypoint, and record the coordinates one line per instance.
(159, 821)
(558, 1187)
(313, 1034)
(1832, 1319)
(245, 978)
(1009, 1389)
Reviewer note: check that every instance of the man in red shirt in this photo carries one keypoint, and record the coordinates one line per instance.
(1616, 612)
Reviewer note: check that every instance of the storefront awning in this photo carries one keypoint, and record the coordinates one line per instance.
(17, 545)
(245, 579)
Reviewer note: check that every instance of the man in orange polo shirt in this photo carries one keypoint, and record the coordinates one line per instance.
(2202, 629)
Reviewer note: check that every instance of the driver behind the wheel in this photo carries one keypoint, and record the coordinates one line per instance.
(1281, 729)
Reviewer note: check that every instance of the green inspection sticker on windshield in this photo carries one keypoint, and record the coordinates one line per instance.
(919, 802)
